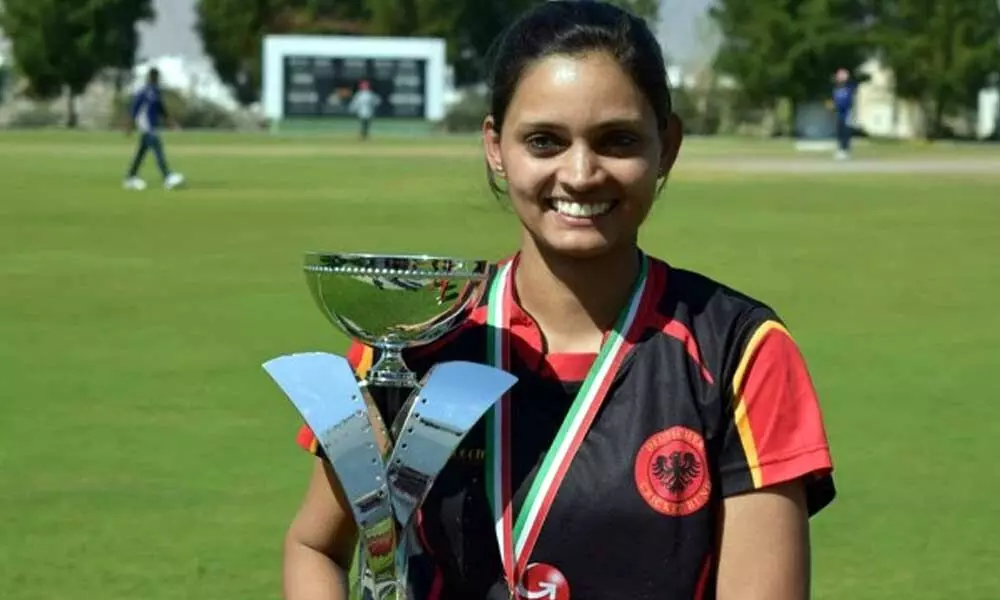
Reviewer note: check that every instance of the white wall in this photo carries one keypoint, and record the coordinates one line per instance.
(879, 111)
(989, 105)
(277, 47)
(4, 48)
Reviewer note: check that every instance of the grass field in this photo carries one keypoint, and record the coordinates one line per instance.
(145, 454)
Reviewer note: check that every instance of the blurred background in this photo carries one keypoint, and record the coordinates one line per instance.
(926, 69)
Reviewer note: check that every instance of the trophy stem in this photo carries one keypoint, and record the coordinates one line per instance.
(390, 370)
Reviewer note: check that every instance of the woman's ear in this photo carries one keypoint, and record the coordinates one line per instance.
(491, 146)
(670, 143)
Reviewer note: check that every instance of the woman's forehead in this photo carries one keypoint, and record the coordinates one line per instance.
(591, 87)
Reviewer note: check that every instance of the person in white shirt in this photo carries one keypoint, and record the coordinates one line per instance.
(364, 104)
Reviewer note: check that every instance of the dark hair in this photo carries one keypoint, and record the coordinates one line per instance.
(571, 28)
(153, 74)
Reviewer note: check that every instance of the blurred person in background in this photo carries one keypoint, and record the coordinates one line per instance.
(147, 113)
(842, 102)
(364, 104)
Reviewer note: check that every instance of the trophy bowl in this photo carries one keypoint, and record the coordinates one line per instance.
(395, 301)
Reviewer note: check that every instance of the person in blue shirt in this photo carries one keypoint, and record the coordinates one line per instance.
(842, 102)
(147, 113)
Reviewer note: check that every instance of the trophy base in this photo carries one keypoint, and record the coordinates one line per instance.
(390, 371)
(391, 379)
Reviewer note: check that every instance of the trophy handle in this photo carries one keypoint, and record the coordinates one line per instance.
(454, 396)
(325, 391)
(385, 492)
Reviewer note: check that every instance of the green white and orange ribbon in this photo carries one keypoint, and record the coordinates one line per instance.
(517, 539)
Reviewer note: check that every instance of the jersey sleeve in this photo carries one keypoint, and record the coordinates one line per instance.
(774, 431)
(360, 357)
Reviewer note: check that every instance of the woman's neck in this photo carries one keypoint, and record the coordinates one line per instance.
(574, 301)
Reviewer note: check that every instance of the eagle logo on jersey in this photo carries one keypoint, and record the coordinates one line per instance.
(677, 471)
(671, 472)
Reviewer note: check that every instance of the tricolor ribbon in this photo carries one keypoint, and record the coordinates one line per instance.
(517, 539)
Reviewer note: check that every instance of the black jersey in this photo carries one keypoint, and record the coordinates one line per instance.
(714, 399)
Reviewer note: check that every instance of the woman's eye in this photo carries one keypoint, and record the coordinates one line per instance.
(622, 140)
(542, 143)
(621, 144)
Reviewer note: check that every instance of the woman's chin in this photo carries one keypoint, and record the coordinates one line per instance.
(578, 244)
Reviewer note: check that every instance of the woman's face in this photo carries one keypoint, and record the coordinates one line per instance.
(581, 154)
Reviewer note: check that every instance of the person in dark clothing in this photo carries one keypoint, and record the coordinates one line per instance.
(842, 101)
(147, 114)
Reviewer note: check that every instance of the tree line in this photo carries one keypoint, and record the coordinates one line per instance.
(942, 52)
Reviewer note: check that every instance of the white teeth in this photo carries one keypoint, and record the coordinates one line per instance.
(576, 209)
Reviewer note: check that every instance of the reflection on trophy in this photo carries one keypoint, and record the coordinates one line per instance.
(391, 303)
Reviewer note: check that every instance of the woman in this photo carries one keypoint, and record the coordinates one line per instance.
(689, 464)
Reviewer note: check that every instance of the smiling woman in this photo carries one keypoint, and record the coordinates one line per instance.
(664, 439)
(581, 151)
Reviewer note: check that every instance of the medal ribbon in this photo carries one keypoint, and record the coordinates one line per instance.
(517, 539)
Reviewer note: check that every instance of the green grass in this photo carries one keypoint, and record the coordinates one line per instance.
(145, 454)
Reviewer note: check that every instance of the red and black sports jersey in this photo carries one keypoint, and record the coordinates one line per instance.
(713, 400)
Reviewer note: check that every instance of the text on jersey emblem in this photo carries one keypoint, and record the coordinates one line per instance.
(671, 472)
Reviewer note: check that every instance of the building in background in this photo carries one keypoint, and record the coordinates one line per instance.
(879, 112)
(988, 126)
(4, 50)
(5, 64)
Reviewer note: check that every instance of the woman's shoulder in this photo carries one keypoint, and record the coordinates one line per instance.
(722, 328)
(695, 297)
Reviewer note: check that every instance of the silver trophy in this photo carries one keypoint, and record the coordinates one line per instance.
(391, 303)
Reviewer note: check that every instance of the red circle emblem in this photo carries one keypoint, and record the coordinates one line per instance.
(671, 472)
(542, 582)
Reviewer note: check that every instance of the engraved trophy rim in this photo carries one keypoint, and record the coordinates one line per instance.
(481, 267)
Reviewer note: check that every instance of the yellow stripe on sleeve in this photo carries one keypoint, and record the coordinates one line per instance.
(740, 416)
